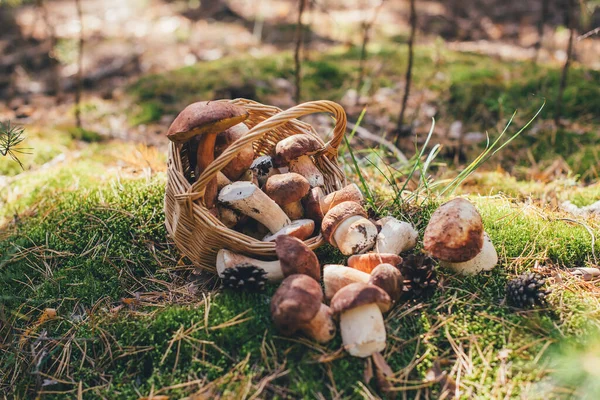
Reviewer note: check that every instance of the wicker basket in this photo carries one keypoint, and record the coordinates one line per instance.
(196, 232)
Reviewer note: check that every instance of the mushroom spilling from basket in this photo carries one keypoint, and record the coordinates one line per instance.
(281, 200)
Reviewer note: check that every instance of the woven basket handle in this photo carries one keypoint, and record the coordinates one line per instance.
(329, 150)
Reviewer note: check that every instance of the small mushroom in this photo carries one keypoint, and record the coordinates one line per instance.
(287, 190)
(204, 120)
(245, 156)
(367, 262)
(337, 276)
(346, 227)
(248, 199)
(294, 258)
(294, 151)
(300, 228)
(262, 168)
(361, 321)
(297, 306)
(395, 236)
(486, 260)
(389, 278)
(454, 232)
(317, 204)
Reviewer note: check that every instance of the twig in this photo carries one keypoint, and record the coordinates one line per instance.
(79, 65)
(365, 134)
(590, 33)
(363, 51)
(565, 70)
(299, 41)
(408, 79)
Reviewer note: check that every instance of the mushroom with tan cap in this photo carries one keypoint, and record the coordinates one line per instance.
(360, 307)
(317, 204)
(294, 151)
(389, 278)
(245, 156)
(203, 121)
(287, 190)
(367, 262)
(300, 228)
(485, 260)
(262, 168)
(395, 236)
(346, 227)
(294, 258)
(454, 232)
(248, 199)
(297, 305)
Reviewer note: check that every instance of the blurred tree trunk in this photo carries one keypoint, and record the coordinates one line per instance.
(400, 131)
(570, 24)
(55, 65)
(79, 84)
(540, 29)
(298, 49)
(367, 26)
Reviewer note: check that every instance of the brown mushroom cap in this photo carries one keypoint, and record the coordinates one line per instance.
(454, 232)
(359, 294)
(367, 262)
(312, 204)
(293, 147)
(205, 117)
(297, 258)
(286, 188)
(389, 278)
(296, 302)
(244, 157)
(337, 215)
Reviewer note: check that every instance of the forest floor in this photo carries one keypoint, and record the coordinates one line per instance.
(82, 230)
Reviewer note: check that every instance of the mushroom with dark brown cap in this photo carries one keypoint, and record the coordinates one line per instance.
(262, 168)
(297, 306)
(204, 120)
(287, 190)
(367, 262)
(361, 321)
(248, 199)
(389, 278)
(454, 232)
(346, 227)
(294, 151)
(317, 204)
(245, 156)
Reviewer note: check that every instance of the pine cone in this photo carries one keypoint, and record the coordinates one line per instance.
(244, 276)
(527, 291)
(420, 279)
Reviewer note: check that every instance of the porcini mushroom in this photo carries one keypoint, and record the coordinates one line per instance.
(245, 156)
(367, 262)
(294, 258)
(361, 321)
(317, 204)
(389, 278)
(204, 120)
(346, 227)
(248, 199)
(454, 232)
(485, 260)
(297, 306)
(287, 190)
(337, 276)
(294, 151)
(300, 228)
(395, 236)
(262, 168)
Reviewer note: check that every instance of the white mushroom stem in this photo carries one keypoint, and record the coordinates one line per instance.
(336, 277)
(304, 166)
(322, 327)
(363, 330)
(248, 199)
(395, 236)
(355, 235)
(228, 259)
(293, 210)
(222, 181)
(486, 260)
